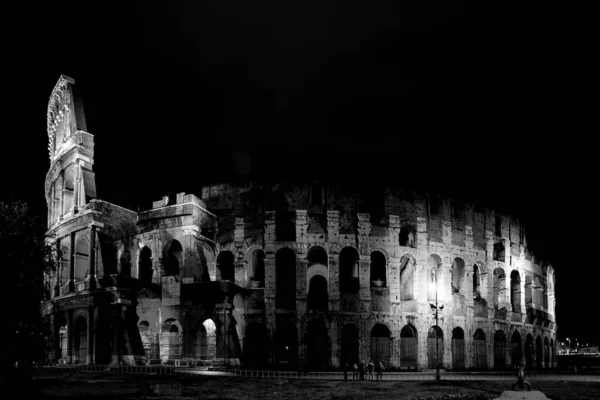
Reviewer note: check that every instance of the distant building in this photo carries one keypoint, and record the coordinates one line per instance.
(258, 274)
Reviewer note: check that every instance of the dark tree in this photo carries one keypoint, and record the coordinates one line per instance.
(24, 259)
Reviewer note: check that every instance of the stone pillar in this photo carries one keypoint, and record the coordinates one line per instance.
(468, 236)
(364, 274)
(116, 332)
(90, 336)
(59, 270)
(270, 299)
(421, 233)
(92, 253)
(241, 277)
(393, 279)
(72, 263)
(301, 226)
(447, 232)
(70, 333)
(301, 286)
(333, 225)
(394, 229)
(334, 281)
(270, 233)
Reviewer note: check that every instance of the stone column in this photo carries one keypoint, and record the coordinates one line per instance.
(70, 333)
(92, 253)
(301, 285)
(421, 233)
(334, 281)
(447, 232)
(301, 226)
(364, 275)
(270, 233)
(393, 279)
(333, 225)
(468, 236)
(59, 270)
(270, 299)
(72, 263)
(90, 336)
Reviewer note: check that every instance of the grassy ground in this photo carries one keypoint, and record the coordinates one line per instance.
(54, 384)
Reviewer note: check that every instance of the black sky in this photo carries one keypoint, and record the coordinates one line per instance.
(477, 100)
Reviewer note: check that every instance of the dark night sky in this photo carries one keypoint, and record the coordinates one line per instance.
(473, 100)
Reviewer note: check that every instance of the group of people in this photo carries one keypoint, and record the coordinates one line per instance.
(362, 371)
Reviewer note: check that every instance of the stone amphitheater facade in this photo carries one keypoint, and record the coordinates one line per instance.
(286, 273)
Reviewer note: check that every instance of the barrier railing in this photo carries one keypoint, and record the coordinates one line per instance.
(316, 375)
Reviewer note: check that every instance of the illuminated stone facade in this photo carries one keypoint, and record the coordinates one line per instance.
(285, 273)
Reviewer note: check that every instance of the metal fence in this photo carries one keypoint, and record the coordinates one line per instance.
(324, 375)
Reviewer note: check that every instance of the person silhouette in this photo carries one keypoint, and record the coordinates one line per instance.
(521, 382)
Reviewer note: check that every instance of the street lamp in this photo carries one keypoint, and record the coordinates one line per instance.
(433, 287)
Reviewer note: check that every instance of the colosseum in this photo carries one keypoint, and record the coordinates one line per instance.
(276, 275)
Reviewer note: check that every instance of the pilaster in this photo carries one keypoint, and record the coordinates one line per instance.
(333, 225)
(421, 232)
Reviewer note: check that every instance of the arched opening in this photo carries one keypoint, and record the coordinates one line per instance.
(406, 278)
(378, 270)
(349, 344)
(538, 352)
(63, 341)
(528, 291)
(257, 275)
(516, 352)
(457, 273)
(286, 342)
(318, 299)
(499, 350)
(82, 259)
(408, 347)
(80, 341)
(65, 251)
(537, 293)
(529, 351)
(435, 347)
(318, 344)
(255, 345)
(172, 257)
(285, 285)
(553, 350)
(458, 348)
(125, 264)
(349, 270)
(515, 291)
(380, 345)
(476, 282)
(433, 263)
(407, 236)
(317, 255)
(145, 265)
(225, 268)
(499, 250)
(148, 342)
(170, 340)
(479, 350)
(546, 353)
(499, 288)
(211, 340)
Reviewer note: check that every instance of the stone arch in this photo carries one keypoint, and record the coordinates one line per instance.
(80, 333)
(409, 347)
(255, 345)
(407, 236)
(82, 259)
(318, 344)
(316, 269)
(529, 351)
(458, 348)
(348, 270)
(317, 255)
(499, 349)
(318, 297)
(172, 257)
(516, 352)
(546, 352)
(170, 339)
(125, 263)
(145, 269)
(407, 281)
(349, 345)
(499, 288)
(285, 279)
(434, 263)
(515, 291)
(457, 275)
(435, 347)
(256, 268)
(211, 338)
(378, 269)
(538, 352)
(225, 266)
(380, 344)
(479, 350)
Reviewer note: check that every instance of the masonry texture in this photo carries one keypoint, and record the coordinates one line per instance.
(258, 274)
